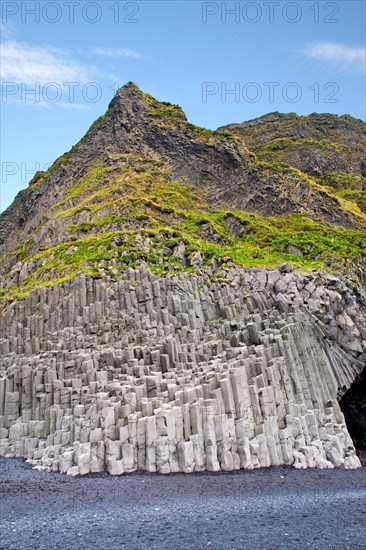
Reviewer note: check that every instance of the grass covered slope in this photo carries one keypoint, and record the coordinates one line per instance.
(127, 210)
(329, 148)
(145, 185)
(317, 144)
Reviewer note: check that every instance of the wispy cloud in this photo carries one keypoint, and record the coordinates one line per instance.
(21, 62)
(29, 71)
(345, 57)
(116, 52)
(18, 100)
(6, 29)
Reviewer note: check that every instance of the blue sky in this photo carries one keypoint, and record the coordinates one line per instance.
(62, 62)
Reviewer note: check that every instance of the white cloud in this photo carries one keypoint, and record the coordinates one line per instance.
(21, 62)
(41, 103)
(116, 52)
(337, 54)
(35, 75)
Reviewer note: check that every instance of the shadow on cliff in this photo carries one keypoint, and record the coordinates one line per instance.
(353, 405)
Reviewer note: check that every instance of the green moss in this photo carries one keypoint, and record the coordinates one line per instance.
(279, 167)
(341, 181)
(96, 174)
(57, 164)
(262, 242)
(20, 253)
(202, 134)
(163, 111)
(357, 197)
(168, 112)
(296, 143)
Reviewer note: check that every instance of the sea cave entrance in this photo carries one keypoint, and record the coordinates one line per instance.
(353, 405)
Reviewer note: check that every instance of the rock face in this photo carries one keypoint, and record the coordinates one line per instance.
(219, 163)
(181, 375)
(317, 144)
(329, 148)
(131, 339)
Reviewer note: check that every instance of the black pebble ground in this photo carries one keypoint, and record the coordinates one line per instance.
(267, 509)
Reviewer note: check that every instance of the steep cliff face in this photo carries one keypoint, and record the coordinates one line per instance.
(135, 124)
(329, 148)
(180, 374)
(219, 164)
(317, 144)
(133, 335)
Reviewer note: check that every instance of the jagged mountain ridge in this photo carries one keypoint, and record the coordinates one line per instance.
(330, 148)
(289, 134)
(144, 151)
(129, 126)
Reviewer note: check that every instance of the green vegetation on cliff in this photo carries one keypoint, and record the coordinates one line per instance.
(128, 210)
(145, 185)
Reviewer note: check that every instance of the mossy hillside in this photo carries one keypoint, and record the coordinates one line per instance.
(126, 188)
(132, 189)
(280, 148)
(290, 125)
(357, 197)
(264, 242)
(347, 202)
(341, 181)
(138, 214)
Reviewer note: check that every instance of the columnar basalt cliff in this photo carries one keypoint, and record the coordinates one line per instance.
(136, 331)
(181, 374)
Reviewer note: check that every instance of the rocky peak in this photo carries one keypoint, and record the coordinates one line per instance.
(129, 89)
(128, 106)
(84, 190)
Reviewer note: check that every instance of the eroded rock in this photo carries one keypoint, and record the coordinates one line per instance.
(180, 374)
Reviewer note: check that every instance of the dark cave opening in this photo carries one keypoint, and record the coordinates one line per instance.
(353, 405)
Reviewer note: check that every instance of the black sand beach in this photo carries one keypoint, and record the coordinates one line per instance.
(268, 509)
